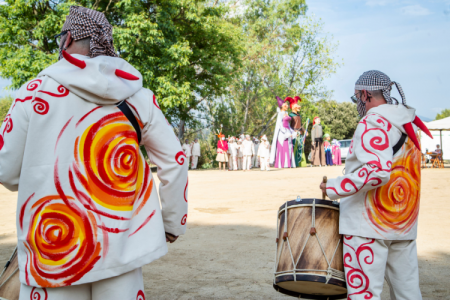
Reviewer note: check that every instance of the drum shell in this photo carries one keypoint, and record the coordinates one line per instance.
(11, 289)
(311, 267)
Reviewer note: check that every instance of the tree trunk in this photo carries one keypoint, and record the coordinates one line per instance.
(181, 130)
(245, 116)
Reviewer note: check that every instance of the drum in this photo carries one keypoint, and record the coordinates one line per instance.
(309, 262)
(9, 279)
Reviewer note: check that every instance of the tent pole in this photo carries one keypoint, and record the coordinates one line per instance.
(442, 150)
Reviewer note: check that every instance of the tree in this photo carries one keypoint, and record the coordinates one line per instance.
(286, 55)
(5, 104)
(445, 113)
(186, 50)
(340, 119)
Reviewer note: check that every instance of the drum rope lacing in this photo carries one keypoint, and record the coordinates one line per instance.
(330, 271)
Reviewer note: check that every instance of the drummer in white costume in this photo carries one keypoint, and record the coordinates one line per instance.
(88, 212)
(380, 194)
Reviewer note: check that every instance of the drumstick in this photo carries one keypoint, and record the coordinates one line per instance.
(324, 181)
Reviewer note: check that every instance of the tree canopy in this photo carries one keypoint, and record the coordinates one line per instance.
(445, 113)
(186, 51)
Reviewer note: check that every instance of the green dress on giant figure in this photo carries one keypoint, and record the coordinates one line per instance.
(296, 124)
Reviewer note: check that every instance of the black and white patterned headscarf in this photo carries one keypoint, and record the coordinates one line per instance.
(376, 80)
(84, 22)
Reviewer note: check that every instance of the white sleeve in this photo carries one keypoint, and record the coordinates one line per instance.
(164, 150)
(373, 150)
(13, 136)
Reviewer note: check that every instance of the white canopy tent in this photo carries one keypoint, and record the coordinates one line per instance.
(440, 130)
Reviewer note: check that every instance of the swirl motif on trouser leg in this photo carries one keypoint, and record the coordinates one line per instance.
(357, 280)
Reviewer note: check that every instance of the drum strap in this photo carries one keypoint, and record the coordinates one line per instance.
(123, 106)
(400, 143)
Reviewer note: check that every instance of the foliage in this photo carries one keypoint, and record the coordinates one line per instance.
(340, 119)
(208, 152)
(286, 55)
(186, 50)
(445, 113)
(5, 104)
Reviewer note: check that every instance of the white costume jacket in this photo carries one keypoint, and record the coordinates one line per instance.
(248, 148)
(233, 149)
(196, 149)
(256, 148)
(380, 192)
(240, 149)
(187, 150)
(87, 206)
(264, 150)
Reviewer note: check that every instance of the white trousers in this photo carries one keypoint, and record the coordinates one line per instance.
(247, 162)
(368, 262)
(189, 161)
(239, 160)
(233, 163)
(194, 162)
(265, 165)
(255, 161)
(128, 286)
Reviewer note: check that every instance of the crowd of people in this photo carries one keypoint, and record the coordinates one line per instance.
(243, 153)
(192, 152)
(287, 148)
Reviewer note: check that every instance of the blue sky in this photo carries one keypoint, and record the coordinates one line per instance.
(409, 40)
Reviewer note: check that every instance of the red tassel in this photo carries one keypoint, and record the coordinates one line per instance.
(411, 134)
(422, 126)
(125, 75)
(76, 62)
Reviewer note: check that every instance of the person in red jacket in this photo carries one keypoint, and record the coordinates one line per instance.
(222, 151)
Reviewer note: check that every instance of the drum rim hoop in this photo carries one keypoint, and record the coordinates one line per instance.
(309, 202)
(295, 294)
(309, 274)
(283, 208)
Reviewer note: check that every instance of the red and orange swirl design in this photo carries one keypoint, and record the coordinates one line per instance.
(61, 241)
(109, 154)
(394, 207)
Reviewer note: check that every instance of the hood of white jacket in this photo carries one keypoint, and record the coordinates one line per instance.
(97, 82)
(397, 115)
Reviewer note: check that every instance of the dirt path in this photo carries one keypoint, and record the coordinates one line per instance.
(228, 251)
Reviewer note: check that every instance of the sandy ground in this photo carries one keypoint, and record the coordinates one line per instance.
(228, 251)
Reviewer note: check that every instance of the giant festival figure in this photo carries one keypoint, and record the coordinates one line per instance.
(296, 125)
(380, 193)
(88, 213)
(281, 153)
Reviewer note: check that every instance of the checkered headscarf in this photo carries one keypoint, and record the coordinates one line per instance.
(82, 23)
(376, 80)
